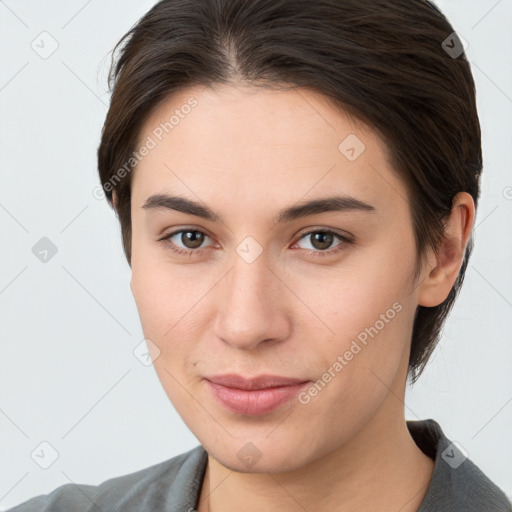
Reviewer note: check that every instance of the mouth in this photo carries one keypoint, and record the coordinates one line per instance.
(254, 396)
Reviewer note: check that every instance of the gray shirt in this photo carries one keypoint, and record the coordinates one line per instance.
(174, 485)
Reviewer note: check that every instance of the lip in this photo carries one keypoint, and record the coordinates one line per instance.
(253, 396)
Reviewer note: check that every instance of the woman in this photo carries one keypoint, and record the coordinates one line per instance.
(296, 184)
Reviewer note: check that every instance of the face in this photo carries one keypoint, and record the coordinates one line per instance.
(236, 276)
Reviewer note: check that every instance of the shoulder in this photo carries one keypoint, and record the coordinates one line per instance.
(160, 487)
(476, 490)
(457, 484)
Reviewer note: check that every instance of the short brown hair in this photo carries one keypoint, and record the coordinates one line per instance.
(385, 62)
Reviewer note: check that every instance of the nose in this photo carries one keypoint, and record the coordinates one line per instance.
(252, 306)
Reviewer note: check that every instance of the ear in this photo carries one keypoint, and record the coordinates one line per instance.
(115, 200)
(442, 269)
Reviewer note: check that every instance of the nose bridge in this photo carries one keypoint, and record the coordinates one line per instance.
(247, 312)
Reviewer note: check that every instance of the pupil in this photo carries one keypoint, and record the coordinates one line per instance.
(322, 240)
(192, 239)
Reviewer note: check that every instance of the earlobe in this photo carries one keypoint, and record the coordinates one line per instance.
(436, 285)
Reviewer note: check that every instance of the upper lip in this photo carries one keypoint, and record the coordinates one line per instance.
(261, 382)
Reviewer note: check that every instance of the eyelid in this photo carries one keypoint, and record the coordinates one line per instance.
(169, 235)
(345, 238)
(341, 234)
(331, 251)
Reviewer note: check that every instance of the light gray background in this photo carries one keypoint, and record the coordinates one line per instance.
(68, 327)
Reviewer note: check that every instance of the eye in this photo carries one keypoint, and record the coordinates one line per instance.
(191, 240)
(188, 242)
(322, 240)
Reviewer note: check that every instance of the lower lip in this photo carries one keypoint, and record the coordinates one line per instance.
(254, 402)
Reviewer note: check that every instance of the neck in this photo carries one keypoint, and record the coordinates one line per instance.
(381, 468)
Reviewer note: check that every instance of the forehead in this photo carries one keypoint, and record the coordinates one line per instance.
(261, 145)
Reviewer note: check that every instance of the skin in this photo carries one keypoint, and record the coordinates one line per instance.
(246, 153)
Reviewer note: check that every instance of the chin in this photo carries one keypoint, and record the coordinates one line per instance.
(277, 463)
(258, 457)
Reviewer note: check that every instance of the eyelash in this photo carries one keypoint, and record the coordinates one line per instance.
(316, 254)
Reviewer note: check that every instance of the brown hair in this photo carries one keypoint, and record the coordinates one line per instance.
(392, 64)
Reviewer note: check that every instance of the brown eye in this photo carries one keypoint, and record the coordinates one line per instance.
(185, 241)
(192, 239)
(321, 240)
(321, 243)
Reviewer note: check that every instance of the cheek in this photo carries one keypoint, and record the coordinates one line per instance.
(170, 303)
(358, 368)
(370, 311)
(163, 308)
(345, 300)
(160, 295)
(161, 303)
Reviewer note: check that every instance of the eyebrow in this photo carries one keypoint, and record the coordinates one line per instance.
(313, 207)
